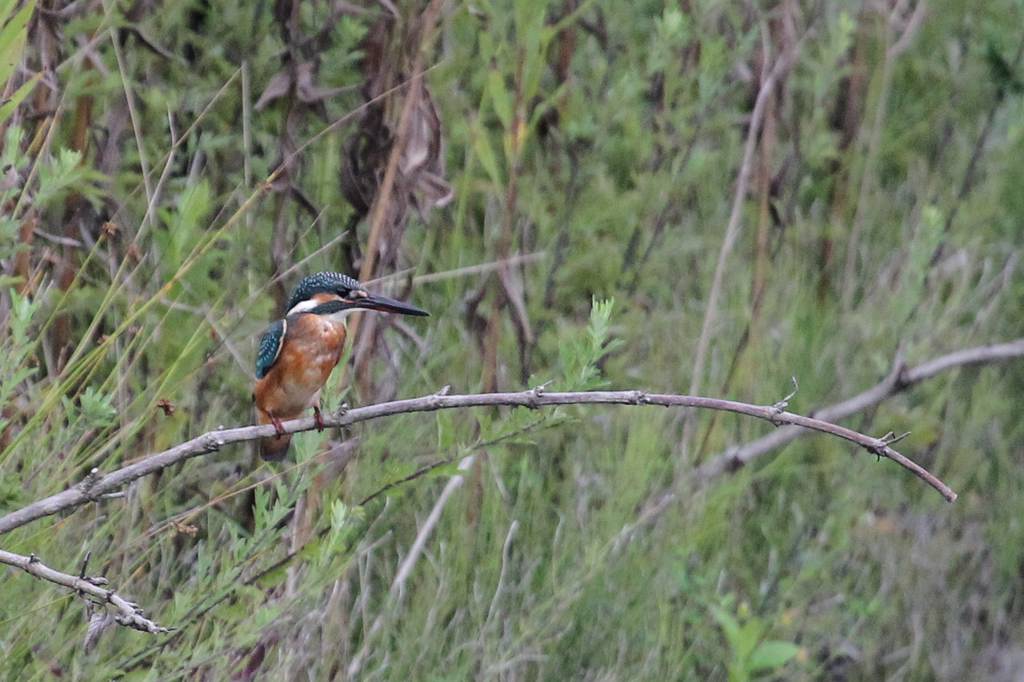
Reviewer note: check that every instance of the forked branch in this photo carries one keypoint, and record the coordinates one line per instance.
(92, 588)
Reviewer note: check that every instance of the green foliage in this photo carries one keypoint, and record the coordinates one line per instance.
(94, 410)
(15, 347)
(64, 175)
(580, 356)
(607, 138)
(13, 30)
(751, 653)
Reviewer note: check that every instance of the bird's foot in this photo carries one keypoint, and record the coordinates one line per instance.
(278, 426)
(318, 418)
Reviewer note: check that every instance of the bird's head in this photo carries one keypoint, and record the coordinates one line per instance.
(343, 293)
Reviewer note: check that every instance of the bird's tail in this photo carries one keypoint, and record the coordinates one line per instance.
(275, 448)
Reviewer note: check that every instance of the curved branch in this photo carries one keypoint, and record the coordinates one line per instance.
(126, 613)
(97, 484)
(900, 379)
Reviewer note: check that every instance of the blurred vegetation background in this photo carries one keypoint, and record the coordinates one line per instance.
(852, 171)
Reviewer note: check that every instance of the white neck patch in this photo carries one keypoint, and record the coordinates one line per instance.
(303, 306)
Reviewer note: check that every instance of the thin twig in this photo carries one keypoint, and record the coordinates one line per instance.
(478, 269)
(127, 613)
(900, 379)
(405, 569)
(133, 115)
(415, 552)
(732, 232)
(506, 552)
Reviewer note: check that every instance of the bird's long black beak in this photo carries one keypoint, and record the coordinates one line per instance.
(389, 305)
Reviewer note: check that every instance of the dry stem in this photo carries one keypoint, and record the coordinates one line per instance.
(126, 613)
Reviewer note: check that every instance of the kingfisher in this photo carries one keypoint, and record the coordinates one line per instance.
(298, 353)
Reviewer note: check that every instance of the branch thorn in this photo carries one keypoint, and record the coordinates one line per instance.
(85, 565)
(891, 438)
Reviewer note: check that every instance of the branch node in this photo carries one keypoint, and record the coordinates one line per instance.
(882, 444)
(779, 407)
(89, 482)
(33, 559)
(733, 461)
(640, 398)
(533, 395)
(444, 390)
(898, 373)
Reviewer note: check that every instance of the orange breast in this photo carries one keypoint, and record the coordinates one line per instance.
(312, 348)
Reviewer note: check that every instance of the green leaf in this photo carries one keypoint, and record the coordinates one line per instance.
(730, 626)
(500, 99)
(446, 430)
(339, 515)
(97, 408)
(11, 103)
(772, 654)
(6, 8)
(749, 636)
(12, 40)
(485, 152)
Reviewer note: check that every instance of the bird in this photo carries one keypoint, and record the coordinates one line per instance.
(298, 352)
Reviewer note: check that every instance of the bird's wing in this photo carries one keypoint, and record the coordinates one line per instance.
(270, 347)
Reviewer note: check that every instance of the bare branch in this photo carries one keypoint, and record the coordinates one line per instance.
(125, 612)
(97, 484)
(900, 379)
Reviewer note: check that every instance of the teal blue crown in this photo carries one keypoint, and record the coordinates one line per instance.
(322, 282)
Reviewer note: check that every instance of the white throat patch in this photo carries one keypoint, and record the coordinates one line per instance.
(339, 317)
